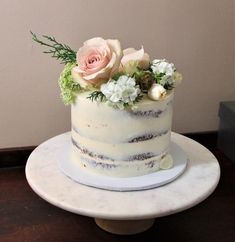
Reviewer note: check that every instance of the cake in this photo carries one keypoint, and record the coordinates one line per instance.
(121, 107)
(121, 142)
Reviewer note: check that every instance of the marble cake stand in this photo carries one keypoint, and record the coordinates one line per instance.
(123, 212)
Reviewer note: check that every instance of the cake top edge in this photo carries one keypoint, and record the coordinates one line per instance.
(145, 101)
(107, 73)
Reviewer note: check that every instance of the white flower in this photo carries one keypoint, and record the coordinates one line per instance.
(167, 80)
(162, 66)
(124, 90)
(156, 92)
(171, 81)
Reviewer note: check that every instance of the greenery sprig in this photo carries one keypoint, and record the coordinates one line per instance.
(97, 96)
(100, 97)
(57, 50)
(138, 98)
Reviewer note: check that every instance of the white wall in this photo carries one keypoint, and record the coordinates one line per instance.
(198, 36)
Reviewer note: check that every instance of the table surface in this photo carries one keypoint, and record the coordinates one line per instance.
(201, 175)
(25, 217)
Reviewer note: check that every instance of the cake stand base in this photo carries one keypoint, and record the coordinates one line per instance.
(124, 227)
(128, 212)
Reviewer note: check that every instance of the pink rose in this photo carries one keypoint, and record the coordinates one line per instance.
(97, 60)
(136, 58)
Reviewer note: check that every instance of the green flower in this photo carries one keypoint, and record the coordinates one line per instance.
(68, 87)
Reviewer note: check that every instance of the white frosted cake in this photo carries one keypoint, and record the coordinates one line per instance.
(121, 142)
(121, 106)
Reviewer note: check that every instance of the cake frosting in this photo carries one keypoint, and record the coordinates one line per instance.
(129, 142)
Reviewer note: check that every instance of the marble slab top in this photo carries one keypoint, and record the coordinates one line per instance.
(197, 182)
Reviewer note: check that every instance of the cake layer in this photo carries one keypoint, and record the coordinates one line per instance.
(100, 122)
(117, 168)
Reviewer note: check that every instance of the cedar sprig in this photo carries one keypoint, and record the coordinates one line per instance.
(97, 96)
(57, 50)
(138, 98)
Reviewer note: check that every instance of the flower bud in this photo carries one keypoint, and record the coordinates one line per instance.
(156, 92)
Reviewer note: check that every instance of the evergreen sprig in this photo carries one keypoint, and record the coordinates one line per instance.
(138, 98)
(97, 96)
(57, 50)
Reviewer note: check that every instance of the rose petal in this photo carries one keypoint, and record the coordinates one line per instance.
(132, 55)
(97, 59)
(106, 72)
(84, 65)
(116, 47)
(77, 78)
(85, 51)
(103, 73)
(128, 51)
(95, 42)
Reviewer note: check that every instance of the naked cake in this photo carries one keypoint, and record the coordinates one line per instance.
(121, 106)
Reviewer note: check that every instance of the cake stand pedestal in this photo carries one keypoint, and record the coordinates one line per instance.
(124, 227)
(127, 212)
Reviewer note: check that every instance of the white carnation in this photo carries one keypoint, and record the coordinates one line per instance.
(124, 90)
(162, 66)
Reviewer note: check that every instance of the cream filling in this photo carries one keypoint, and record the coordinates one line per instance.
(117, 168)
(123, 151)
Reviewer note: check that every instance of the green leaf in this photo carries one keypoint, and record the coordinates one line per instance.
(117, 75)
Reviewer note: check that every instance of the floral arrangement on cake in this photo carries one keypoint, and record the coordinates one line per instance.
(121, 78)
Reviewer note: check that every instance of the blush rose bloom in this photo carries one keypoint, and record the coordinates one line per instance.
(133, 58)
(97, 61)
